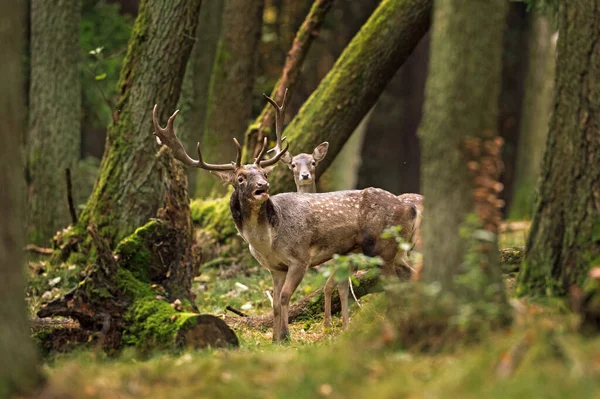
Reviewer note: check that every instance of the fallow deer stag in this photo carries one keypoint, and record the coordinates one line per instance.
(290, 232)
(303, 167)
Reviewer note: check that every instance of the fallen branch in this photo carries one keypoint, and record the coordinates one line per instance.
(237, 312)
(289, 76)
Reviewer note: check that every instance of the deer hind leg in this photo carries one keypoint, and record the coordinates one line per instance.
(328, 292)
(343, 290)
(278, 281)
(294, 276)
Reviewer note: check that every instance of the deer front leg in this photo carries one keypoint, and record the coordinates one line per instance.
(327, 293)
(294, 276)
(278, 281)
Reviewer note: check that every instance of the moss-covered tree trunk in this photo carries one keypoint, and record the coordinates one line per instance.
(130, 187)
(53, 142)
(196, 81)
(460, 147)
(357, 79)
(537, 104)
(564, 240)
(18, 364)
(229, 109)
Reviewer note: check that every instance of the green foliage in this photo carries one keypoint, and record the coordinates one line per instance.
(214, 216)
(104, 35)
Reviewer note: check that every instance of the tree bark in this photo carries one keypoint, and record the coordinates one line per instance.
(459, 140)
(130, 186)
(229, 108)
(53, 142)
(537, 104)
(391, 143)
(194, 92)
(564, 241)
(357, 79)
(306, 34)
(19, 374)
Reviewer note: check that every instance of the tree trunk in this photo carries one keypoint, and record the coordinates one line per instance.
(18, 363)
(391, 153)
(357, 79)
(229, 108)
(514, 69)
(53, 142)
(140, 294)
(130, 186)
(459, 143)
(537, 104)
(564, 239)
(194, 92)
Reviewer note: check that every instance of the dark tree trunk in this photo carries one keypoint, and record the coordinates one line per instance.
(391, 155)
(229, 109)
(357, 79)
(564, 241)
(53, 142)
(514, 70)
(194, 92)
(537, 104)
(130, 186)
(459, 140)
(19, 374)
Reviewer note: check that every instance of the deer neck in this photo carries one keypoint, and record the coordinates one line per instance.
(250, 220)
(307, 188)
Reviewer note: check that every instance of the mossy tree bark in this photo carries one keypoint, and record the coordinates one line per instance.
(355, 82)
(130, 186)
(229, 108)
(53, 142)
(194, 92)
(537, 104)
(19, 374)
(460, 147)
(564, 241)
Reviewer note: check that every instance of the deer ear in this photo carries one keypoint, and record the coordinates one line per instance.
(286, 158)
(320, 151)
(228, 177)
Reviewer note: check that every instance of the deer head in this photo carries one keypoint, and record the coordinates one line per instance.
(303, 165)
(251, 181)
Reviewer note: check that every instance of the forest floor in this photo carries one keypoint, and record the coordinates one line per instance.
(540, 355)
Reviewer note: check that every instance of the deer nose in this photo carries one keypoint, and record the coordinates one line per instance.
(262, 184)
(305, 176)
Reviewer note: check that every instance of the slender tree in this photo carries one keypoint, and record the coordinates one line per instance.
(194, 92)
(460, 148)
(53, 142)
(130, 186)
(564, 241)
(18, 363)
(537, 103)
(229, 106)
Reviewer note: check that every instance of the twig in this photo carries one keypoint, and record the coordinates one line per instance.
(352, 292)
(70, 196)
(39, 250)
(269, 296)
(237, 312)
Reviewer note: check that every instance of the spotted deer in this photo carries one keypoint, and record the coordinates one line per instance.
(288, 233)
(303, 167)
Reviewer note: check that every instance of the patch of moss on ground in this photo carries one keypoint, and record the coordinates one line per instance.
(215, 217)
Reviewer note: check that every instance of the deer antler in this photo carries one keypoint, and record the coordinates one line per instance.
(168, 137)
(279, 115)
(270, 161)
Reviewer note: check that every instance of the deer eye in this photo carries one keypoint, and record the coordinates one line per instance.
(293, 165)
(240, 179)
(313, 163)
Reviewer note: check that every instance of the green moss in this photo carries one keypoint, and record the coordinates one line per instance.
(134, 250)
(215, 217)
